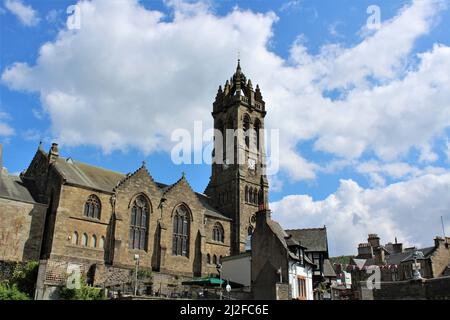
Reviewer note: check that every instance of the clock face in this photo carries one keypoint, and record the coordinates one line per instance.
(251, 164)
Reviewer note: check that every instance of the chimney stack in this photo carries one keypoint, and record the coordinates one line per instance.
(264, 213)
(374, 240)
(53, 154)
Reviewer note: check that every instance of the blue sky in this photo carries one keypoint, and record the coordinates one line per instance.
(355, 137)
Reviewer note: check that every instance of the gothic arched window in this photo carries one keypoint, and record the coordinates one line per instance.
(255, 196)
(92, 207)
(75, 238)
(180, 242)
(257, 127)
(250, 195)
(102, 242)
(214, 259)
(246, 194)
(94, 241)
(246, 127)
(84, 239)
(208, 258)
(218, 234)
(139, 223)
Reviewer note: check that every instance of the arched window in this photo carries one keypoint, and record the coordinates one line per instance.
(139, 223)
(180, 242)
(250, 196)
(102, 242)
(248, 242)
(246, 127)
(92, 207)
(214, 259)
(84, 240)
(257, 127)
(220, 260)
(75, 238)
(255, 196)
(218, 233)
(208, 258)
(94, 241)
(246, 194)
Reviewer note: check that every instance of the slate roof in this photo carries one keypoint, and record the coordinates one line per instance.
(285, 239)
(328, 270)
(13, 188)
(314, 239)
(397, 258)
(85, 175)
(210, 210)
(82, 174)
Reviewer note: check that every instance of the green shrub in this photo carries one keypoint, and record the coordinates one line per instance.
(11, 292)
(25, 277)
(84, 293)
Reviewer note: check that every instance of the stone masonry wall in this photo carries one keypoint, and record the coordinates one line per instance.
(21, 230)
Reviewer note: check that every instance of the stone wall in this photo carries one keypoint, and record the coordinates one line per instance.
(21, 230)
(427, 289)
(70, 219)
(268, 256)
(441, 256)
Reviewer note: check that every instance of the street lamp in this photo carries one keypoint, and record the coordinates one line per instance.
(136, 258)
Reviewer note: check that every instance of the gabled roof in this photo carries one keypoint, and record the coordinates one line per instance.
(328, 270)
(284, 238)
(85, 175)
(314, 239)
(13, 188)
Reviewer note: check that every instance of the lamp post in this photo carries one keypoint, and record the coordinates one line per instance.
(136, 258)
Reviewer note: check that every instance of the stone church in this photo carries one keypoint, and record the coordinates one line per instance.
(66, 210)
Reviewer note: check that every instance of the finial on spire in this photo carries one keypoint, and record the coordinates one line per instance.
(144, 163)
(183, 175)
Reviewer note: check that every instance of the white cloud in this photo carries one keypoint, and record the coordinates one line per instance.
(290, 5)
(127, 78)
(25, 13)
(396, 170)
(408, 210)
(5, 129)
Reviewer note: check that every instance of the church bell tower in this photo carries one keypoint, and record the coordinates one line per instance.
(238, 176)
